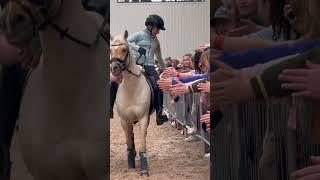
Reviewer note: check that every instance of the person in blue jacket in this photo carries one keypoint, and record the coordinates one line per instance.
(145, 46)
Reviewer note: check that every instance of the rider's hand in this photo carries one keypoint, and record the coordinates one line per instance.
(142, 51)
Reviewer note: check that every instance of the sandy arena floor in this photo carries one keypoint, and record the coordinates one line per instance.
(169, 156)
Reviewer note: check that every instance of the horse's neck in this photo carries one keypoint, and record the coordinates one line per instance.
(80, 25)
(129, 79)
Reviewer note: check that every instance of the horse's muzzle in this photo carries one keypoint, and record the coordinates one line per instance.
(115, 69)
(117, 66)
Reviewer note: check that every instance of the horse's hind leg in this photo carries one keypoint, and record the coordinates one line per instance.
(142, 150)
(128, 129)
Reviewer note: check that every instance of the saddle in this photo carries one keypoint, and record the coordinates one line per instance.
(153, 85)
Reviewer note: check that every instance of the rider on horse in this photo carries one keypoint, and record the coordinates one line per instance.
(145, 46)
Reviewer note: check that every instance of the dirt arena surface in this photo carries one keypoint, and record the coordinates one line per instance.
(169, 156)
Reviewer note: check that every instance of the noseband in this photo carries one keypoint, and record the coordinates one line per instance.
(123, 64)
(62, 31)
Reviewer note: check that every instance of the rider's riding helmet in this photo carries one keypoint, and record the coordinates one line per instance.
(155, 20)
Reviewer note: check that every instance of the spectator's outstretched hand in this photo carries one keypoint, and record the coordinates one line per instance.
(309, 173)
(303, 82)
(179, 89)
(201, 48)
(170, 72)
(164, 84)
(235, 87)
(219, 75)
(206, 119)
(204, 87)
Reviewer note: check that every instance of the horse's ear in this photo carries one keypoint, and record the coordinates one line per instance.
(125, 34)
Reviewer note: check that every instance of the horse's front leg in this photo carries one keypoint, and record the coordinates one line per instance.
(128, 129)
(142, 150)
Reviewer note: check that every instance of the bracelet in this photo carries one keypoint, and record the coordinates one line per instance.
(218, 42)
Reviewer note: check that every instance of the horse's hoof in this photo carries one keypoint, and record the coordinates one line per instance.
(131, 169)
(159, 122)
(143, 164)
(131, 158)
(144, 173)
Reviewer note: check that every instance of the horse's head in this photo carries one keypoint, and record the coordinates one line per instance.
(22, 19)
(120, 53)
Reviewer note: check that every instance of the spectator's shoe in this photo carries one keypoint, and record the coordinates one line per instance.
(192, 138)
(159, 122)
(173, 124)
(161, 119)
(207, 155)
(191, 130)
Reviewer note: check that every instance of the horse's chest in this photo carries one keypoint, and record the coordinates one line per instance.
(130, 106)
(130, 111)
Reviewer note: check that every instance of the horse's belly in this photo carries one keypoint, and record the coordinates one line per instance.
(62, 129)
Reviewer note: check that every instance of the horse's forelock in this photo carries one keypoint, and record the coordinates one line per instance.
(15, 34)
(118, 39)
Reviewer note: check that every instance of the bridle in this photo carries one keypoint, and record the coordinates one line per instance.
(123, 64)
(64, 32)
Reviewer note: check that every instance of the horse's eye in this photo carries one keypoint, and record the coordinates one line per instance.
(124, 50)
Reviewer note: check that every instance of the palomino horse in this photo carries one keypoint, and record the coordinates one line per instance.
(133, 98)
(62, 126)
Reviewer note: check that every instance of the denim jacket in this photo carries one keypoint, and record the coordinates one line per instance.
(150, 44)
